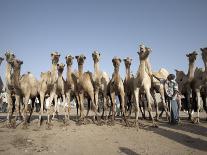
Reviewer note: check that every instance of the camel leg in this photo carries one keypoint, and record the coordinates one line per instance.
(136, 96)
(67, 106)
(94, 105)
(122, 105)
(77, 105)
(26, 100)
(17, 106)
(156, 104)
(89, 106)
(162, 93)
(31, 110)
(149, 101)
(49, 110)
(198, 96)
(10, 108)
(42, 96)
(113, 96)
(81, 106)
(56, 107)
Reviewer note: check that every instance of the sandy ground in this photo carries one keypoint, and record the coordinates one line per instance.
(91, 139)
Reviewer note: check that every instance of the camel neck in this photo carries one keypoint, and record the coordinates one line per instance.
(69, 71)
(148, 66)
(116, 70)
(60, 74)
(141, 70)
(205, 64)
(127, 73)
(80, 69)
(54, 72)
(96, 69)
(16, 77)
(8, 74)
(191, 70)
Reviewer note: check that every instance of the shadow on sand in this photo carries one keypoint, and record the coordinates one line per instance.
(127, 151)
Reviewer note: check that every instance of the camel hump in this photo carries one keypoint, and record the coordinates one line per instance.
(161, 74)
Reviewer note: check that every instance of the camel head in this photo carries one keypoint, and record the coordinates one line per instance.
(204, 54)
(192, 56)
(116, 62)
(127, 62)
(143, 55)
(181, 79)
(9, 56)
(1, 59)
(46, 76)
(60, 67)
(96, 56)
(16, 64)
(80, 59)
(69, 60)
(55, 56)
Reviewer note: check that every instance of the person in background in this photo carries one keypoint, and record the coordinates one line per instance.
(171, 90)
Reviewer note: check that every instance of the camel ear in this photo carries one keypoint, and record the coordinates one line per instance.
(59, 55)
(84, 57)
(52, 54)
(176, 70)
(66, 58)
(119, 59)
(130, 59)
(138, 52)
(124, 60)
(41, 74)
(99, 54)
(187, 55)
(201, 49)
(57, 64)
(113, 60)
(76, 57)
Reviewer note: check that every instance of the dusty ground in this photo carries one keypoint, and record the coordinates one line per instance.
(186, 138)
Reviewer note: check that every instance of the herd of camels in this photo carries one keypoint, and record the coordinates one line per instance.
(80, 85)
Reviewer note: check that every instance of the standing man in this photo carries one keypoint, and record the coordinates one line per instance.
(171, 90)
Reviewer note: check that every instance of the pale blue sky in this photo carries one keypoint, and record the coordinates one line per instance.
(32, 29)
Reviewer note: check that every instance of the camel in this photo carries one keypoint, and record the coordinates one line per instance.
(26, 86)
(204, 88)
(128, 85)
(116, 87)
(157, 79)
(186, 83)
(9, 84)
(143, 81)
(85, 86)
(101, 80)
(71, 86)
(1, 82)
(47, 85)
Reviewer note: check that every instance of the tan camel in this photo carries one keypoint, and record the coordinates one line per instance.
(9, 84)
(128, 85)
(26, 86)
(1, 82)
(143, 81)
(60, 86)
(186, 83)
(101, 80)
(117, 88)
(47, 85)
(71, 86)
(85, 86)
(158, 79)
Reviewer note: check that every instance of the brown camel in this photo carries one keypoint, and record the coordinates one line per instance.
(1, 82)
(9, 84)
(128, 85)
(117, 88)
(47, 84)
(204, 88)
(71, 86)
(143, 81)
(101, 80)
(85, 86)
(26, 86)
(187, 83)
